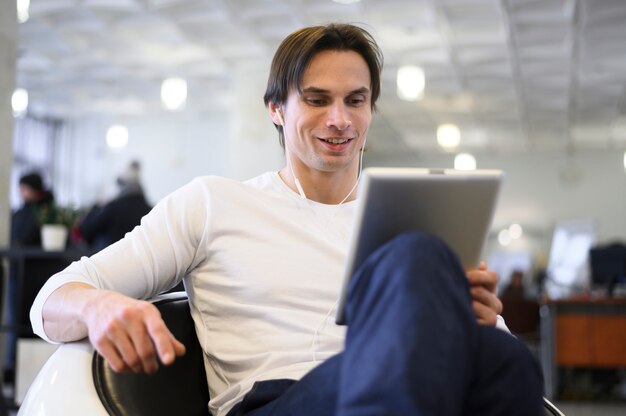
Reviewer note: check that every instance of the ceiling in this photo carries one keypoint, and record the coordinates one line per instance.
(514, 75)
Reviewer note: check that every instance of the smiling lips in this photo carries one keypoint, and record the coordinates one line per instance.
(335, 141)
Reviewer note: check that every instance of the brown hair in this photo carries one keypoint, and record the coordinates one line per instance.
(296, 51)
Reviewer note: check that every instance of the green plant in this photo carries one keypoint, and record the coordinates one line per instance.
(55, 214)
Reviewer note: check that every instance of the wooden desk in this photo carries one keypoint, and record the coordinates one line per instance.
(583, 334)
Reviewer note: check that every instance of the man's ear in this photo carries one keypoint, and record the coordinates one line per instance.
(276, 114)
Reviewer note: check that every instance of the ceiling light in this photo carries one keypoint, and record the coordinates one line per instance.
(174, 93)
(515, 231)
(448, 136)
(19, 102)
(23, 7)
(464, 161)
(117, 136)
(346, 1)
(410, 81)
(504, 238)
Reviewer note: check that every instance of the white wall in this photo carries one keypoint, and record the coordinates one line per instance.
(171, 154)
(172, 151)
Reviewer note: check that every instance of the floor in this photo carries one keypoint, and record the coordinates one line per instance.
(568, 409)
(592, 409)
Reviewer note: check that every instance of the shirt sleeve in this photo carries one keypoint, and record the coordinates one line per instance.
(149, 260)
(500, 324)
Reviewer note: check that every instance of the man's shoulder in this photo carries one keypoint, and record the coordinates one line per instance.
(211, 182)
(263, 181)
(212, 188)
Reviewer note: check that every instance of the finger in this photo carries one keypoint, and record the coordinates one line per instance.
(482, 295)
(111, 356)
(486, 278)
(166, 345)
(126, 349)
(482, 277)
(179, 347)
(145, 350)
(484, 314)
(129, 335)
(481, 266)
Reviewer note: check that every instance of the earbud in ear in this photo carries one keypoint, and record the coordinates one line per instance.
(280, 117)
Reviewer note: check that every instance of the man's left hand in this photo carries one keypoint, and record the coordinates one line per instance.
(485, 303)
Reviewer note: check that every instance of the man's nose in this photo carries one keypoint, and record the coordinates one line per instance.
(338, 117)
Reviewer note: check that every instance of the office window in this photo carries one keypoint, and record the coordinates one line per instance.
(33, 149)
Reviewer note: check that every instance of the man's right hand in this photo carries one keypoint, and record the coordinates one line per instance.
(130, 334)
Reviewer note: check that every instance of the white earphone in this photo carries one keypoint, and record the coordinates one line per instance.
(280, 117)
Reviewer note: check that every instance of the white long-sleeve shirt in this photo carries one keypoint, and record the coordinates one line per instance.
(262, 268)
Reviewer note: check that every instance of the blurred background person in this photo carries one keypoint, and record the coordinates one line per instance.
(104, 225)
(515, 288)
(25, 225)
(521, 312)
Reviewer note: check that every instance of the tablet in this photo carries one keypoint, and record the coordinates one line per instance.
(456, 206)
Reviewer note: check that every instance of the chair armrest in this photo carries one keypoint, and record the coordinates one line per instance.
(76, 381)
(64, 385)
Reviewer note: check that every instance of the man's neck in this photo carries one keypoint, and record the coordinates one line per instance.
(324, 187)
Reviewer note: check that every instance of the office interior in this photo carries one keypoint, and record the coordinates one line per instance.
(534, 88)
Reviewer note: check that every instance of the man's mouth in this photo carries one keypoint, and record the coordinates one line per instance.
(335, 141)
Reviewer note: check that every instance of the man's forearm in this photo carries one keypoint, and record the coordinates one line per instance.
(63, 312)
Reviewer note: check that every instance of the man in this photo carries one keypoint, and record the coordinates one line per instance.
(262, 261)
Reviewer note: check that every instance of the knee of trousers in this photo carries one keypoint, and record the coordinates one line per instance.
(417, 243)
(415, 250)
(410, 261)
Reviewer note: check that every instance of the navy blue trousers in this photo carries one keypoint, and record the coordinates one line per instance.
(413, 347)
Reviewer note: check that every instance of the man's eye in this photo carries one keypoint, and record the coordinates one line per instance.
(356, 100)
(315, 101)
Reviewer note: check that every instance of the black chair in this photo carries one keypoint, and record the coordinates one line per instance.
(178, 389)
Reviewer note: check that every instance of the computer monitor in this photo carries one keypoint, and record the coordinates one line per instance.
(608, 266)
(568, 270)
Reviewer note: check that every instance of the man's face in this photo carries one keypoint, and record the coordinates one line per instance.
(325, 126)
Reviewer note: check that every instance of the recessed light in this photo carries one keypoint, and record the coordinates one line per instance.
(174, 93)
(410, 81)
(19, 102)
(464, 161)
(448, 136)
(117, 136)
